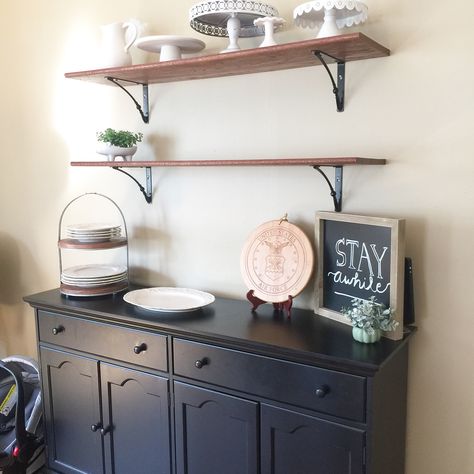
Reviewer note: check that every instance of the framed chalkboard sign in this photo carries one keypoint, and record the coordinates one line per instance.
(359, 257)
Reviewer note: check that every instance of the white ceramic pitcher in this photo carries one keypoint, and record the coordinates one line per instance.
(115, 45)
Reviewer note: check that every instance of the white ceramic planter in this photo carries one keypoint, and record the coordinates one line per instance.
(112, 151)
(362, 335)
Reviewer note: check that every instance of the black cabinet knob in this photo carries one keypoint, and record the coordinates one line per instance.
(200, 363)
(96, 426)
(56, 330)
(322, 391)
(140, 348)
(105, 430)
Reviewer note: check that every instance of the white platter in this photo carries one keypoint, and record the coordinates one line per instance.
(170, 47)
(167, 299)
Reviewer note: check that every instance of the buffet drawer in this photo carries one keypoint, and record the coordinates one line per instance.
(305, 386)
(106, 340)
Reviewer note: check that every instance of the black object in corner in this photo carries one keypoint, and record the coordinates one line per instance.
(409, 300)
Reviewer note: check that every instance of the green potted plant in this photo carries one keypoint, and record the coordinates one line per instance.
(369, 318)
(118, 143)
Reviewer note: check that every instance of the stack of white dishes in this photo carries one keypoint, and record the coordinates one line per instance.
(93, 279)
(93, 232)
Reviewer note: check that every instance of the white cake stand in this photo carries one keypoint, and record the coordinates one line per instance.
(270, 24)
(231, 18)
(333, 15)
(170, 47)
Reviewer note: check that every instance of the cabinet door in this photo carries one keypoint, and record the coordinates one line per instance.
(71, 402)
(299, 444)
(215, 433)
(136, 421)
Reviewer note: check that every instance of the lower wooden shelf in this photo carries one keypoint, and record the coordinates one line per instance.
(337, 163)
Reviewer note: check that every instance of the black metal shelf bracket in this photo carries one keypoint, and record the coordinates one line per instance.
(148, 191)
(336, 190)
(145, 111)
(338, 89)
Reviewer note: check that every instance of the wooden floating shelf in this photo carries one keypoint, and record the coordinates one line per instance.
(314, 52)
(339, 49)
(340, 161)
(348, 47)
(316, 163)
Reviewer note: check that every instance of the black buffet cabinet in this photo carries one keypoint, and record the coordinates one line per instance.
(220, 390)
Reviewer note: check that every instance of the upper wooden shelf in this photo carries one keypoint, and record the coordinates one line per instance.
(348, 47)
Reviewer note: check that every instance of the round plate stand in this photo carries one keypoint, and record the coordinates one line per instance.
(276, 264)
(231, 18)
(94, 280)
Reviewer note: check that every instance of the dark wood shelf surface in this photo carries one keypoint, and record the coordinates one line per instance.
(340, 161)
(348, 47)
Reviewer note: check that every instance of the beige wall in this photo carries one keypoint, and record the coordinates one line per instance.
(413, 108)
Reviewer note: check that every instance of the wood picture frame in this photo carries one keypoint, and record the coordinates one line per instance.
(358, 257)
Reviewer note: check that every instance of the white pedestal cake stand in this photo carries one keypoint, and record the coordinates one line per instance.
(330, 16)
(270, 24)
(231, 18)
(170, 47)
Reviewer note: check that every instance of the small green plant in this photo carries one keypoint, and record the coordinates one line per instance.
(120, 138)
(370, 315)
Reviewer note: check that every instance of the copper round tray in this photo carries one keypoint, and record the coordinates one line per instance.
(72, 290)
(277, 261)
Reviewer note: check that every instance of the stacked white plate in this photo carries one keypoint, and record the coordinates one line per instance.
(94, 275)
(93, 232)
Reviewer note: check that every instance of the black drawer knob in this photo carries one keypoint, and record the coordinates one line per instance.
(200, 363)
(96, 426)
(56, 330)
(105, 430)
(322, 391)
(140, 348)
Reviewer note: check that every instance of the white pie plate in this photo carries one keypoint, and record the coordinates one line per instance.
(169, 299)
(92, 227)
(93, 271)
(91, 284)
(93, 234)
